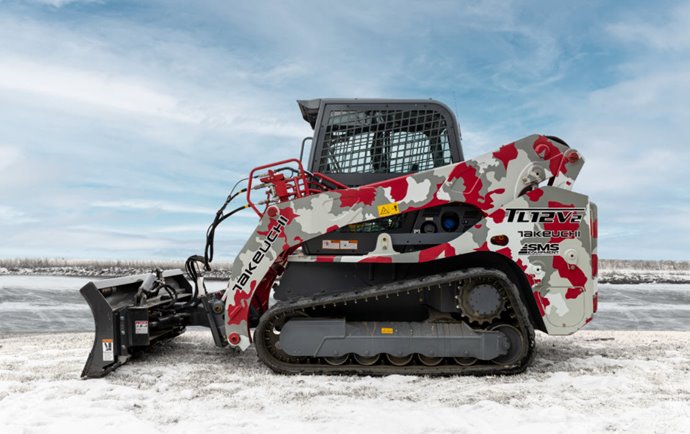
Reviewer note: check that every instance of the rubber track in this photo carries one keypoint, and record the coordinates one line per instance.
(315, 365)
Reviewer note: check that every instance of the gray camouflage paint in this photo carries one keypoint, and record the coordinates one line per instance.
(564, 284)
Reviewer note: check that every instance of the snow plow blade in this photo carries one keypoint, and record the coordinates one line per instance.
(132, 313)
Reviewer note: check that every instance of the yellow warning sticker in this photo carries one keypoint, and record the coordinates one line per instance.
(386, 330)
(388, 209)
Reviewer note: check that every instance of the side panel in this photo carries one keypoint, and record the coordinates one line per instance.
(488, 182)
(549, 238)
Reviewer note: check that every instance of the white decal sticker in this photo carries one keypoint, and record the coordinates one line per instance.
(108, 355)
(339, 244)
(330, 244)
(348, 244)
(141, 327)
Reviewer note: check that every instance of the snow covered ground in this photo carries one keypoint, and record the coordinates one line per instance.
(632, 381)
(593, 381)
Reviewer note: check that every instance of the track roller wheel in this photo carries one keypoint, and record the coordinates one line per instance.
(337, 361)
(428, 360)
(399, 360)
(517, 344)
(465, 361)
(366, 360)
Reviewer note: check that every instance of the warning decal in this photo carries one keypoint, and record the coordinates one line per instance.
(108, 350)
(141, 327)
(348, 244)
(388, 209)
(339, 244)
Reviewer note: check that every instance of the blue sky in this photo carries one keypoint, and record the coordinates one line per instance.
(124, 124)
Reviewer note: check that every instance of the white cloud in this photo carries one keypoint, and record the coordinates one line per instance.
(229, 227)
(12, 216)
(147, 73)
(7, 213)
(177, 229)
(102, 108)
(9, 156)
(61, 3)
(672, 33)
(91, 87)
(152, 205)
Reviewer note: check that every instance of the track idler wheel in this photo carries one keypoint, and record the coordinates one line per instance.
(517, 344)
(271, 335)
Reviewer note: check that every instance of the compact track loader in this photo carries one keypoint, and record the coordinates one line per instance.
(390, 253)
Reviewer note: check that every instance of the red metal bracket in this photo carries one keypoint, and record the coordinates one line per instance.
(279, 188)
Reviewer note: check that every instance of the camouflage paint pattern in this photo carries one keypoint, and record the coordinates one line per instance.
(563, 280)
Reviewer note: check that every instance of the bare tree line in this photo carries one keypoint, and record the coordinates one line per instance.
(62, 262)
(604, 264)
(114, 268)
(611, 270)
(637, 264)
(97, 268)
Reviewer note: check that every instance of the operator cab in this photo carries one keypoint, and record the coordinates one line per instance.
(361, 141)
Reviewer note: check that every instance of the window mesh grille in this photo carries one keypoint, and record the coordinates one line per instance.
(384, 141)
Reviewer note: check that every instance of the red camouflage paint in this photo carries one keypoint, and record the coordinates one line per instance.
(435, 252)
(541, 302)
(398, 188)
(377, 260)
(573, 293)
(549, 151)
(558, 226)
(240, 305)
(535, 195)
(505, 252)
(569, 271)
(498, 215)
(506, 154)
(353, 196)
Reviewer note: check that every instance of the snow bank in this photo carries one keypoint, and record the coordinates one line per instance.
(589, 382)
(642, 276)
(52, 283)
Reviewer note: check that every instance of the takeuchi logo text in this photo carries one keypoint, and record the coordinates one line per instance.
(260, 254)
